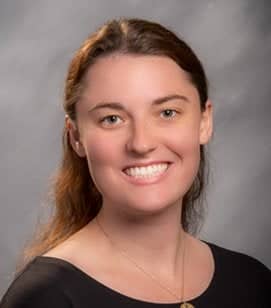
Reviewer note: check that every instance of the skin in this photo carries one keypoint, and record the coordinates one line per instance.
(143, 219)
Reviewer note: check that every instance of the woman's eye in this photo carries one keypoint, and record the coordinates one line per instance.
(111, 119)
(169, 113)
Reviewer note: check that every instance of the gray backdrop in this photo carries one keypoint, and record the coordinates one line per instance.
(232, 37)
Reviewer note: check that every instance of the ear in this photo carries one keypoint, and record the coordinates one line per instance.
(74, 137)
(206, 123)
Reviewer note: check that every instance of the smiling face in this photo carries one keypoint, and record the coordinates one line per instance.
(138, 110)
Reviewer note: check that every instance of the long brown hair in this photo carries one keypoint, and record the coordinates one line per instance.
(75, 198)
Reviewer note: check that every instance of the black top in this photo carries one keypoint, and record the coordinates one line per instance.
(239, 281)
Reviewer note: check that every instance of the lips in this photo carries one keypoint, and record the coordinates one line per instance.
(142, 180)
(146, 164)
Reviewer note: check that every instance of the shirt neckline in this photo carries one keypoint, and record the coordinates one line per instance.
(115, 293)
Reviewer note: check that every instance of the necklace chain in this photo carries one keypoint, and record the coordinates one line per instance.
(124, 253)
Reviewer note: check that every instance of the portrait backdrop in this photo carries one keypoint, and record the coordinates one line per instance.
(233, 40)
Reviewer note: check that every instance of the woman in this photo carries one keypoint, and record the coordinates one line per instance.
(128, 192)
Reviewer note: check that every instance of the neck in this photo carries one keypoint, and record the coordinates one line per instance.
(154, 242)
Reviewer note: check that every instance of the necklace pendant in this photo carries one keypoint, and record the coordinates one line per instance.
(186, 305)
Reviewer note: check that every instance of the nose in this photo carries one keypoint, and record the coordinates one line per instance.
(141, 139)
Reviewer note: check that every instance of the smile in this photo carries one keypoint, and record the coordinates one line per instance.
(149, 171)
(146, 175)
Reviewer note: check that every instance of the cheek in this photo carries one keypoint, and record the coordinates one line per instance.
(184, 140)
(186, 147)
(101, 151)
(101, 155)
(97, 151)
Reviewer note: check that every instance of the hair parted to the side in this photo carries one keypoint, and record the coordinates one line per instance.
(76, 200)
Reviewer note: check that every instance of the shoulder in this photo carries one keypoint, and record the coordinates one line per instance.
(238, 258)
(36, 286)
(240, 268)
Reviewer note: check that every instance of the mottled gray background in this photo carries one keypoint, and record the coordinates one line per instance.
(232, 37)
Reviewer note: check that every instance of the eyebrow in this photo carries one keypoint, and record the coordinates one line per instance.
(157, 101)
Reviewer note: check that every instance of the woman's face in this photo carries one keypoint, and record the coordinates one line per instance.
(141, 110)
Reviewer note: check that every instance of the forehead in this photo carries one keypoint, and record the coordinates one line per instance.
(131, 78)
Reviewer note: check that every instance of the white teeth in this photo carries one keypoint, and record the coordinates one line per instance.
(148, 171)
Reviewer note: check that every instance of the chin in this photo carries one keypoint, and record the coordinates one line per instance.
(151, 206)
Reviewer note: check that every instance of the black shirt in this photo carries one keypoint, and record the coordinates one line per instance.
(238, 281)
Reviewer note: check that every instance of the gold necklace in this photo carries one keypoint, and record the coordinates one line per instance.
(183, 304)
